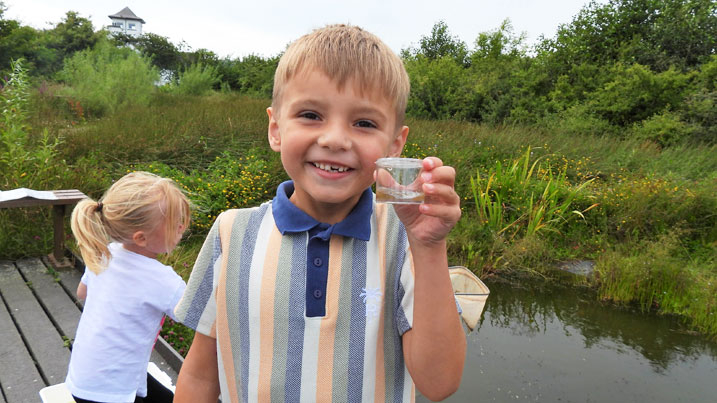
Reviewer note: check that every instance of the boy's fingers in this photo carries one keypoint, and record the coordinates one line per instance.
(447, 212)
(443, 174)
(440, 193)
(430, 163)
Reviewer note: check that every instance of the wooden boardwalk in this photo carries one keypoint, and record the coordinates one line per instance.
(39, 313)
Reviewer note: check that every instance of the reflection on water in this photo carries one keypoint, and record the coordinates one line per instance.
(558, 344)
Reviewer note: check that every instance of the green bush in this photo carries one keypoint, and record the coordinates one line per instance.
(196, 80)
(665, 129)
(577, 120)
(230, 181)
(252, 75)
(440, 88)
(636, 93)
(107, 78)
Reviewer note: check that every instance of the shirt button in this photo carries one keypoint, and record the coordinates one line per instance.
(317, 261)
(318, 294)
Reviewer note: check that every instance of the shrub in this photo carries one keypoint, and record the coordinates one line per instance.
(665, 129)
(197, 80)
(439, 88)
(230, 181)
(107, 78)
(578, 120)
(636, 93)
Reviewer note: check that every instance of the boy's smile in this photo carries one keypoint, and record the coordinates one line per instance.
(329, 139)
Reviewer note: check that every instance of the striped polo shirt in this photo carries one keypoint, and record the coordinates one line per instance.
(249, 290)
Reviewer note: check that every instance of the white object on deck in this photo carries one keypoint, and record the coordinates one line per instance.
(56, 394)
(60, 394)
(470, 292)
(160, 376)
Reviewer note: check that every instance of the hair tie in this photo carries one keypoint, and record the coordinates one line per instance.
(99, 207)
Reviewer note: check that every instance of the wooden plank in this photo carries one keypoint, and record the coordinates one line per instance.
(43, 340)
(62, 309)
(19, 377)
(69, 280)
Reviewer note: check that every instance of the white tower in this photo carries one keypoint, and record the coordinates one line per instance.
(126, 22)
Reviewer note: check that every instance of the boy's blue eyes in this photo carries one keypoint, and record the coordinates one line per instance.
(366, 124)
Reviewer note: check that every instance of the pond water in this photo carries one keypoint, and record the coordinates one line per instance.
(562, 345)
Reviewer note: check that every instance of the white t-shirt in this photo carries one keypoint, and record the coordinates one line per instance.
(120, 322)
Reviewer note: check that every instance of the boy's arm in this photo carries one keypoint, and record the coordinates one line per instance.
(198, 380)
(435, 347)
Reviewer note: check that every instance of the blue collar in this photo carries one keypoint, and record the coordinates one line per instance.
(290, 218)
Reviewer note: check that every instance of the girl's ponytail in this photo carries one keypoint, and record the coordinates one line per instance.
(89, 231)
(139, 201)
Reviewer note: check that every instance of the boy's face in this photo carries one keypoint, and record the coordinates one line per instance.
(329, 140)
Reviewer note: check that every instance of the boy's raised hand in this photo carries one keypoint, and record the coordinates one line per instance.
(431, 221)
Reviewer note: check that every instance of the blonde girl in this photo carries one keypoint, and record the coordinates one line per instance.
(127, 290)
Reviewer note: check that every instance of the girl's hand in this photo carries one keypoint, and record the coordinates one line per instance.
(430, 222)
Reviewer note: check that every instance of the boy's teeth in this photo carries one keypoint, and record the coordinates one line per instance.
(327, 167)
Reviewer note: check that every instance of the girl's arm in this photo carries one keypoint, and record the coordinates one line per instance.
(198, 379)
(82, 291)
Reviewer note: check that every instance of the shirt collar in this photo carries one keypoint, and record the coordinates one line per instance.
(290, 218)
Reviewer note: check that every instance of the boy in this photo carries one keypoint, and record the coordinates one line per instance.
(312, 297)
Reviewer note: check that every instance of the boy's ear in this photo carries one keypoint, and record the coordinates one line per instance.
(397, 145)
(139, 238)
(273, 131)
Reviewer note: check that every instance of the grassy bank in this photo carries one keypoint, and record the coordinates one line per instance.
(531, 198)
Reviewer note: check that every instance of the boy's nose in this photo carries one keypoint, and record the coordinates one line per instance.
(334, 138)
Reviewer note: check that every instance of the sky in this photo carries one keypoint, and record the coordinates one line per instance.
(264, 28)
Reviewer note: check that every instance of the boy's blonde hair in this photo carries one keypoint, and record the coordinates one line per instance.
(345, 52)
(139, 201)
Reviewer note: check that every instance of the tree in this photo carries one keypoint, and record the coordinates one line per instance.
(501, 43)
(164, 54)
(72, 34)
(441, 44)
(655, 33)
(251, 75)
(16, 42)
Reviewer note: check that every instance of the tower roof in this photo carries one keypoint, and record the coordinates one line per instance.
(127, 14)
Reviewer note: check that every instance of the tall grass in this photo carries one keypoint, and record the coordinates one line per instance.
(539, 198)
(185, 132)
(662, 275)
